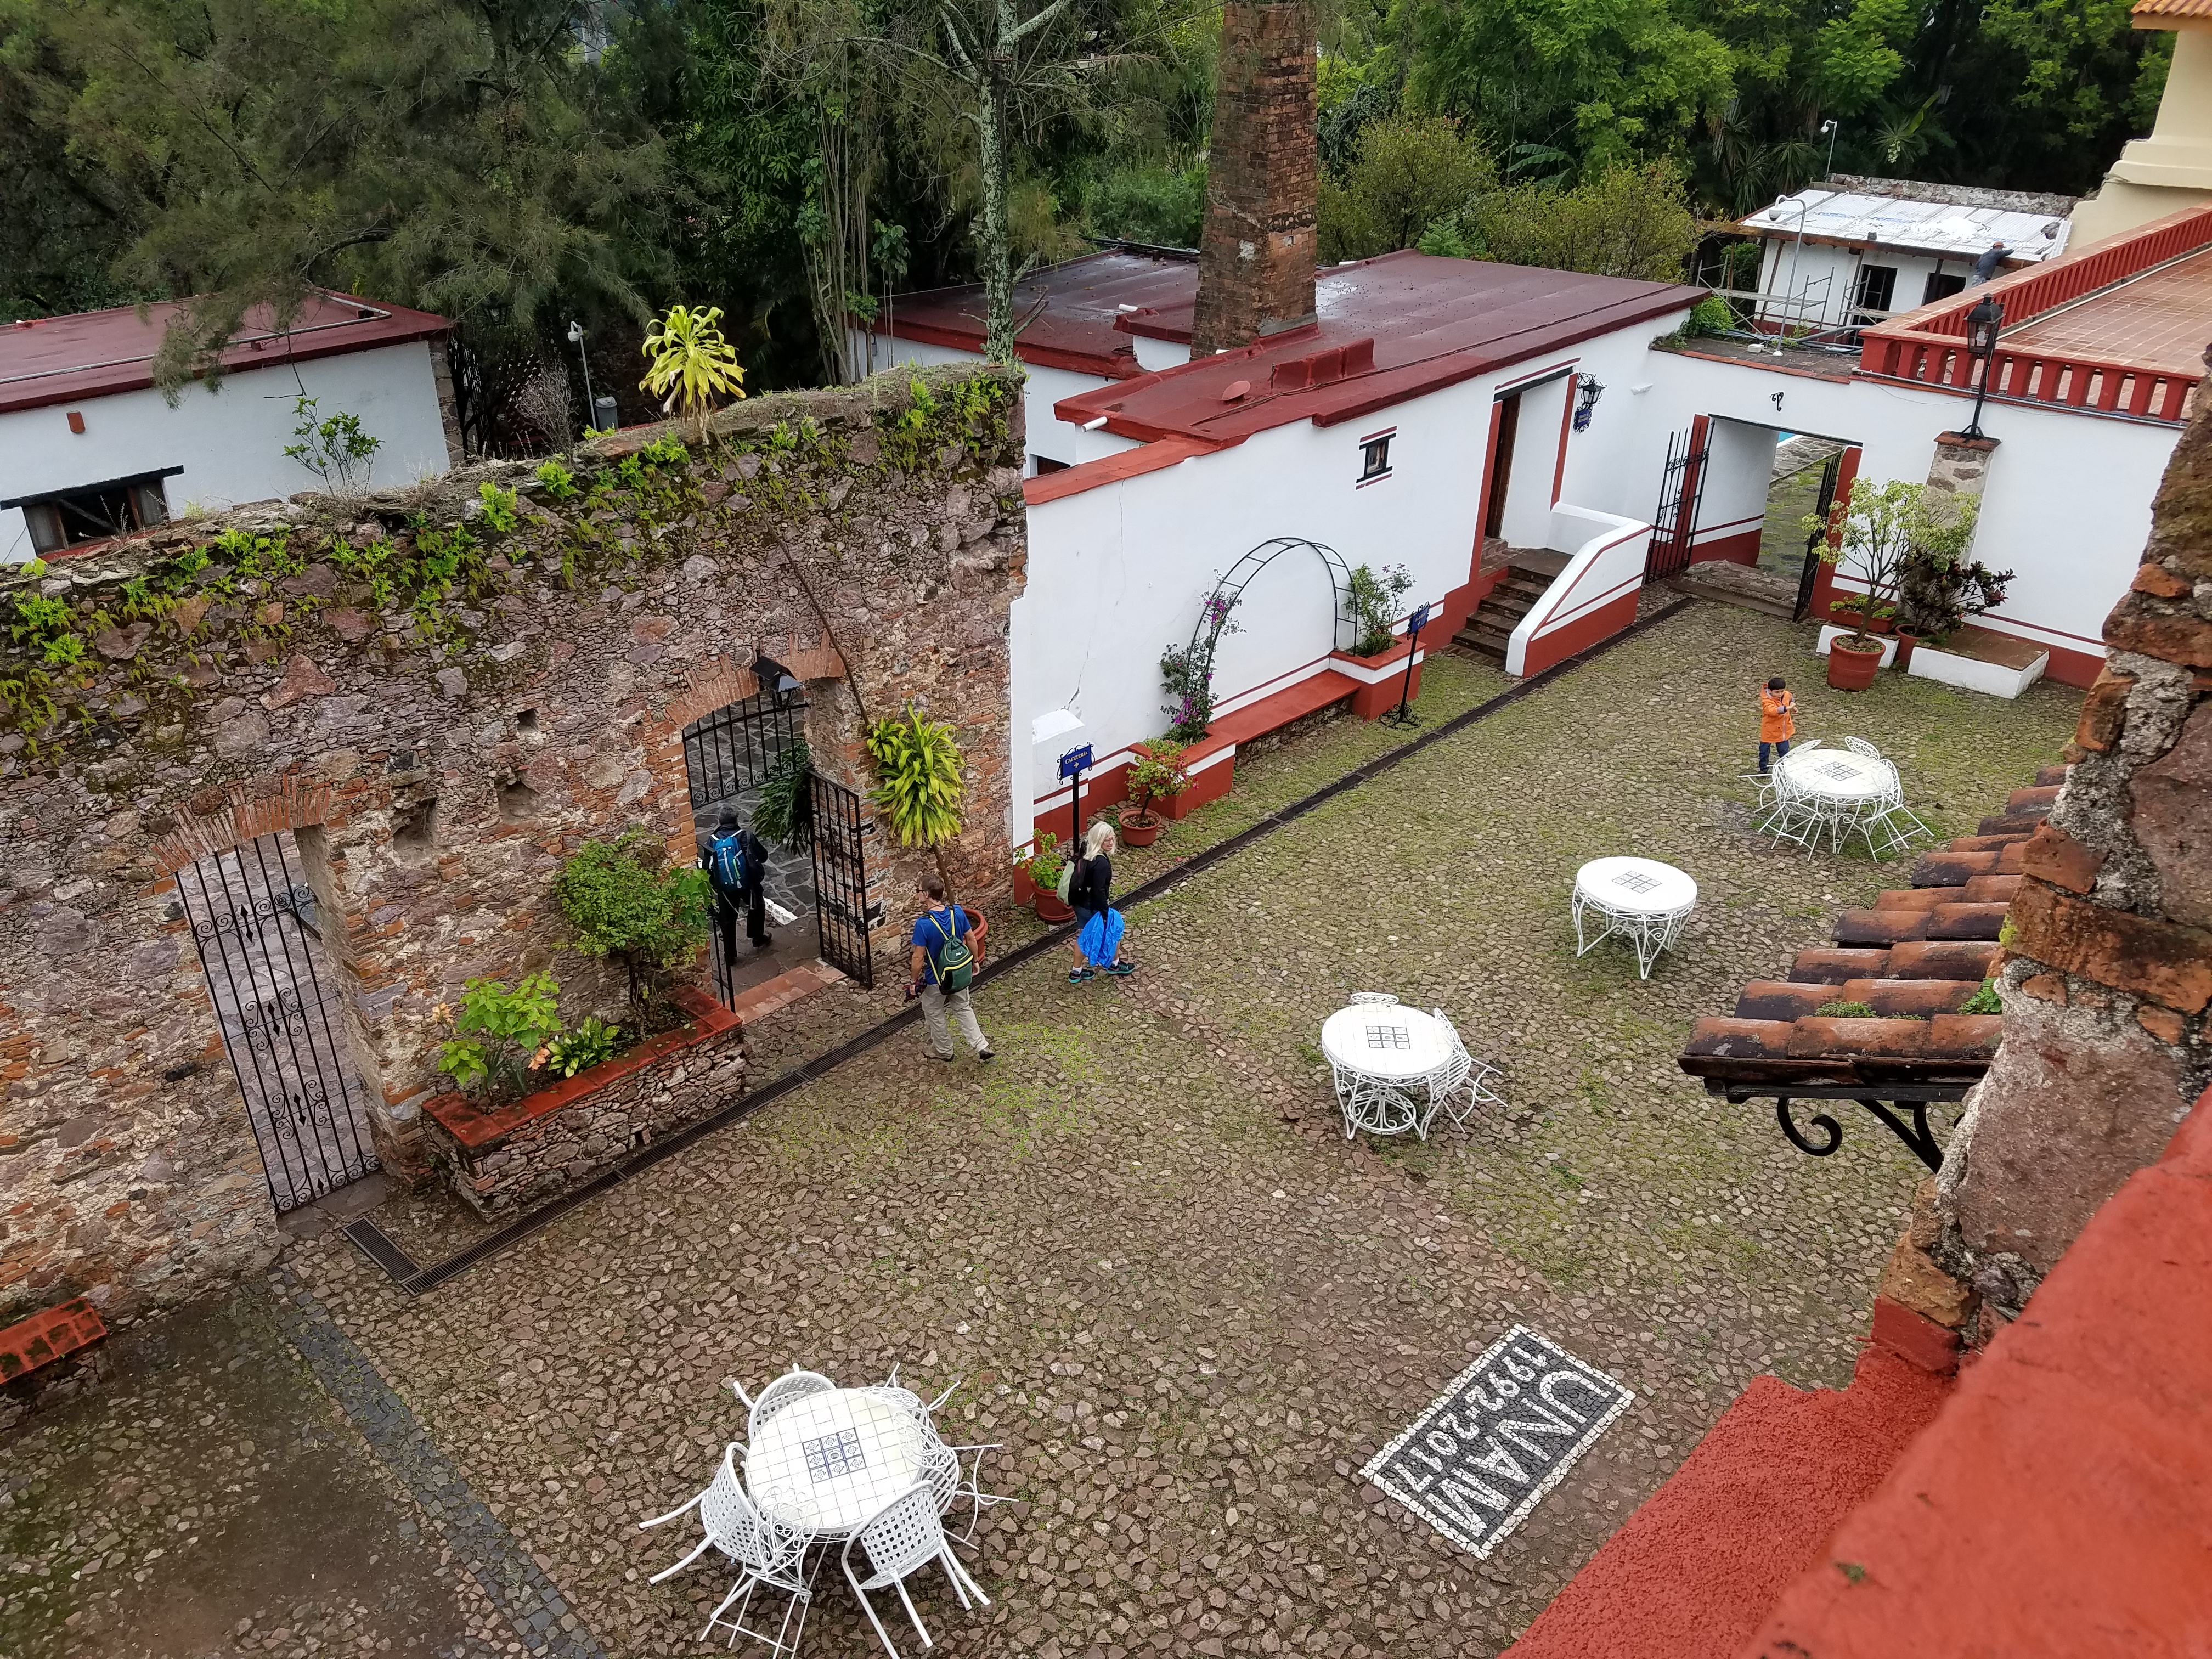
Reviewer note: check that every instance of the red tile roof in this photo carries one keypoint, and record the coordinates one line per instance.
(1092, 309)
(95, 354)
(1915, 957)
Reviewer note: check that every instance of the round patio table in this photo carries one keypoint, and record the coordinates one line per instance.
(1644, 901)
(1383, 1055)
(1836, 774)
(824, 1464)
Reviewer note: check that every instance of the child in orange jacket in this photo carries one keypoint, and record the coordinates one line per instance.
(1778, 721)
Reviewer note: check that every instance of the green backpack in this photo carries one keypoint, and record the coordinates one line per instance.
(955, 963)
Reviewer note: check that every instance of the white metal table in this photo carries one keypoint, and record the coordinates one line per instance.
(1644, 901)
(1383, 1055)
(1840, 790)
(827, 1463)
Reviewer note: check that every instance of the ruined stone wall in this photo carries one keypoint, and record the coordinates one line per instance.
(1257, 248)
(439, 694)
(2110, 936)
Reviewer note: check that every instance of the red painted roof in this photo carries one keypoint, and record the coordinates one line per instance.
(1389, 329)
(96, 354)
(1092, 306)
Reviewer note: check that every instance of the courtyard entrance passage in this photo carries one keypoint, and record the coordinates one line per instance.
(1732, 512)
(282, 1015)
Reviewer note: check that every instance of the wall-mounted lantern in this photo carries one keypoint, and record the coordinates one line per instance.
(1590, 390)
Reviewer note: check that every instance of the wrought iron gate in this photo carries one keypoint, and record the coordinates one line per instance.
(841, 881)
(727, 755)
(1675, 521)
(1811, 573)
(253, 921)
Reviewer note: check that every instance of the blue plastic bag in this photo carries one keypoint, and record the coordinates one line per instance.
(1100, 938)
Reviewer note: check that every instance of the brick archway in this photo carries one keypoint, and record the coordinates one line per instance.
(237, 813)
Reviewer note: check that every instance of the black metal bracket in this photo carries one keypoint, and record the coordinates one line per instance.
(1910, 1100)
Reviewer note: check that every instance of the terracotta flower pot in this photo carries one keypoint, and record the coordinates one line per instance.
(1025, 889)
(1049, 908)
(1140, 830)
(1905, 643)
(1879, 624)
(1851, 669)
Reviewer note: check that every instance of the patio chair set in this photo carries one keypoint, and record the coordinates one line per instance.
(862, 1473)
(1396, 1067)
(1815, 793)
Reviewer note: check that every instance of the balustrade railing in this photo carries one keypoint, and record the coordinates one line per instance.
(1929, 347)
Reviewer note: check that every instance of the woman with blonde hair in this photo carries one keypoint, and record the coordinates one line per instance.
(1097, 923)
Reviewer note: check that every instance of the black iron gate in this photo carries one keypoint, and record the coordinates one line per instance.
(253, 921)
(1811, 573)
(1675, 521)
(727, 755)
(841, 881)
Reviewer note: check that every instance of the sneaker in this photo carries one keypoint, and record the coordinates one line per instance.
(987, 1054)
(1076, 975)
(1122, 970)
(945, 1059)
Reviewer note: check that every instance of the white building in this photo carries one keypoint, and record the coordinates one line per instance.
(1855, 250)
(89, 448)
(1511, 437)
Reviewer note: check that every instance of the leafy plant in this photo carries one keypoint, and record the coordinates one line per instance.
(560, 483)
(918, 785)
(1710, 315)
(692, 364)
(1983, 1001)
(591, 1043)
(1877, 528)
(784, 813)
(333, 449)
(1045, 863)
(1188, 674)
(1846, 1010)
(500, 514)
(1934, 601)
(1374, 600)
(1156, 773)
(500, 1036)
(623, 902)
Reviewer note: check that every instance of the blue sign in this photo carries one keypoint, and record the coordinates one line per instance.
(1419, 621)
(1075, 762)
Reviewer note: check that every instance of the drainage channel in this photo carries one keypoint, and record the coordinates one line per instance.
(379, 1247)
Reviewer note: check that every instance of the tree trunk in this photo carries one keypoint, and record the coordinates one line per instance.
(998, 256)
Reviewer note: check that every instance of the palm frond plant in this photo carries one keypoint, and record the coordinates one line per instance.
(919, 781)
(783, 816)
(692, 364)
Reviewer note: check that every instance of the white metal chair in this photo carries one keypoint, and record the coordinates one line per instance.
(1464, 1082)
(950, 1481)
(793, 1385)
(768, 1556)
(1860, 746)
(1380, 999)
(899, 1540)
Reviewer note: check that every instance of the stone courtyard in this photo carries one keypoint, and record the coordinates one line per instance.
(1186, 1305)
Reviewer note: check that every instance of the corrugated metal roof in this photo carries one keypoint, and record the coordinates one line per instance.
(1933, 227)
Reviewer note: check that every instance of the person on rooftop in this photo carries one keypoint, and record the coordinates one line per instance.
(1986, 266)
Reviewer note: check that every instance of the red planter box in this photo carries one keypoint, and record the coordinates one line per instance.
(46, 1337)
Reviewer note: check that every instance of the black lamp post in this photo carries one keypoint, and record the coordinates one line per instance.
(1982, 325)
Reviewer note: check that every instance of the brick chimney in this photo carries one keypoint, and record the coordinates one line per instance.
(1256, 260)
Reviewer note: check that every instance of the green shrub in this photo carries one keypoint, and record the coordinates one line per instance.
(784, 814)
(1983, 1001)
(918, 779)
(1045, 863)
(591, 1043)
(1374, 598)
(1847, 1010)
(500, 1036)
(623, 903)
(1710, 315)
(1156, 775)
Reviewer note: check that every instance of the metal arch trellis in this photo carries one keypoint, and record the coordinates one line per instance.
(1213, 616)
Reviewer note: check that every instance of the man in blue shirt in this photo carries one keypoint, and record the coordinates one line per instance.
(942, 965)
(1993, 257)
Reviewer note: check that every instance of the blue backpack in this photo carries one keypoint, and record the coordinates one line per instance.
(726, 859)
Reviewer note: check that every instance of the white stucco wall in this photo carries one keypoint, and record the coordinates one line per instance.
(1827, 278)
(1118, 573)
(2067, 505)
(1046, 435)
(230, 441)
(1738, 474)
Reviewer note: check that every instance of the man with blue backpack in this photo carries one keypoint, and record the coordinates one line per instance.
(737, 868)
(944, 968)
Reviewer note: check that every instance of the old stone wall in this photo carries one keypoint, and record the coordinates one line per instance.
(2111, 935)
(430, 699)
(1257, 248)
(505, 1158)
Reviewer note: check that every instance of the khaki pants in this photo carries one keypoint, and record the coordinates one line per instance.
(934, 1002)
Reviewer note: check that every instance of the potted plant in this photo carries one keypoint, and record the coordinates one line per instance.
(920, 783)
(1874, 531)
(1935, 600)
(1374, 600)
(1880, 619)
(1045, 866)
(1156, 773)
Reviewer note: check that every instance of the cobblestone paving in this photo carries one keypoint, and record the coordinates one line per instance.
(203, 1498)
(1188, 1308)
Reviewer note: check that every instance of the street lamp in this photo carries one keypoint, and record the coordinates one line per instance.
(1982, 325)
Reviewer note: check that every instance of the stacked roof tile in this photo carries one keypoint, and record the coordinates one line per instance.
(1916, 957)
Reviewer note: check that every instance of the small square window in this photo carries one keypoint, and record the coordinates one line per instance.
(1375, 458)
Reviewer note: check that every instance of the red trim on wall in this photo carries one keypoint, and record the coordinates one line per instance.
(1114, 468)
(1824, 584)
(2071, 667)
(1739, 547)
(1566, 417)
(1482, 497)
(1585, 630)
